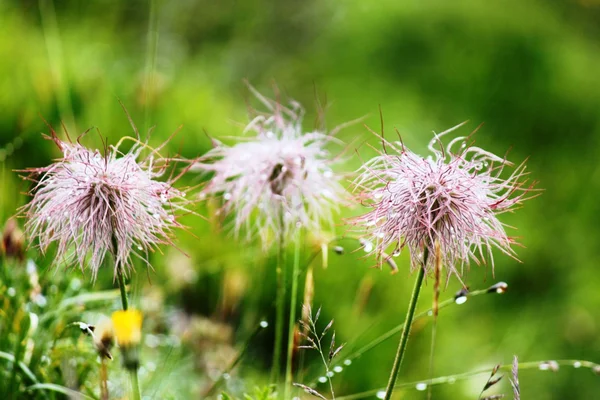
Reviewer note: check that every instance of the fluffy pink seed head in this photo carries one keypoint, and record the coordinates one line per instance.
(276, 181)
(452, 197)
(92, 204)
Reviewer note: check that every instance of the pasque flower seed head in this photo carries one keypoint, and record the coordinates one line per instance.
(452, 197)
(92, 203)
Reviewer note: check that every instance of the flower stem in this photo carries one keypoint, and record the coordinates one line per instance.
(279, 305)
(412, 305)
(135, 385)
(103, 380)
(292, 321)
(122, 287)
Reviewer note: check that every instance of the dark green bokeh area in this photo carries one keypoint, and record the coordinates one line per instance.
(527, 69)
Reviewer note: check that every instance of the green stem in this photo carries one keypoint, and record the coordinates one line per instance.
(292, 321)
(123, 288)
(412, 305)
(135, 385)
(279, 304)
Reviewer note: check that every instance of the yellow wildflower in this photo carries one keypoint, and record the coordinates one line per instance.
(128, 327)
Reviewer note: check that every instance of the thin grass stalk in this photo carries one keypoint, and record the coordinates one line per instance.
(151, 53)
(412, 305)
(306, 305)
(13, 384)
(279, 304)
(451, 379)
(56, 61)
(292, 320)
(327, 369)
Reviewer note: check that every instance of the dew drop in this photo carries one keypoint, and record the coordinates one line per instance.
(322, 379)
(577, 364)
(75, 284)
(429, 313)
(327, 193)
(263, 324)
(330, 374)
(368, 247)
(151, 366)
(380, 394)
(347, 362)
(156, 215)
(152, 341)
(461, 300)
(227, 196)
(40, 300)
(11, 292)
(338, 369)
(421, 386)
(140, 248)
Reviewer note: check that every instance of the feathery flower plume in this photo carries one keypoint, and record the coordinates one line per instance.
(278, 180)
(92, 203)
(452, 197)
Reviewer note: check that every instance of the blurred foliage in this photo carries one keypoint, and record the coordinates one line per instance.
(524, 68)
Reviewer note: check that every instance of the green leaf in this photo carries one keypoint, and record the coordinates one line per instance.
(60, 389)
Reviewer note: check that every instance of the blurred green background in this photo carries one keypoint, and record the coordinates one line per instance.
(527, 69)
